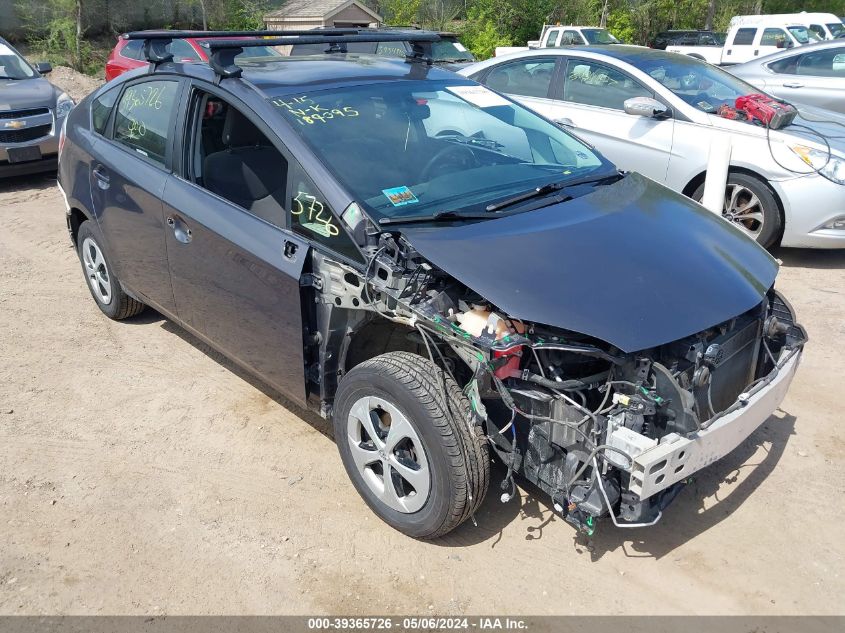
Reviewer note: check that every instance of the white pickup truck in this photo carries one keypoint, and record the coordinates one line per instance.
(556, 35)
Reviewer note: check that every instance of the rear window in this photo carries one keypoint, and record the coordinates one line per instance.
(744, 37)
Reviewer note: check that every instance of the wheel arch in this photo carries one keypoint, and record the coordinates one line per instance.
(75, 217)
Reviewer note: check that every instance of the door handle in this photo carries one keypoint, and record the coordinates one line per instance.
(289, 250)
(101, 176)
(757, 52)
(793, 84)
(180, 230)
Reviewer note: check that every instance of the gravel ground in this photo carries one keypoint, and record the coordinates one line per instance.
(74, 83)
(141, 472)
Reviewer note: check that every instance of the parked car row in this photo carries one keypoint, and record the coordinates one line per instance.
(444, 273)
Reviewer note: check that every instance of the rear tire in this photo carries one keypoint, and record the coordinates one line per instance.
(99, 275)
(393, 427)
(750, 206)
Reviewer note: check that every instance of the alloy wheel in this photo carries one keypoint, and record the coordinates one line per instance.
(96, 271)
(388, 454)
(744, 209)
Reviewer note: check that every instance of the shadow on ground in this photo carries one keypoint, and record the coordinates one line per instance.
(810, 257)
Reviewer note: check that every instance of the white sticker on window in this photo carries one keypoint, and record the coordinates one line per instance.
(478, 96)
(460, 47)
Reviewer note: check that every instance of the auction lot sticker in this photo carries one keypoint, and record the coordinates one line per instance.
(478, 96)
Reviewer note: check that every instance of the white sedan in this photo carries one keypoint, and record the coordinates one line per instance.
(655, 112)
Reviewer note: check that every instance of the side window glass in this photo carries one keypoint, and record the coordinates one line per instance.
(134, 49)
(598, 85)
(818, 29)
(101, 109)
(786, 66)
(774, 37)
(529, 78)
(827, 63)
(142, 122)
(231, 157)
(551, 38)
(312, 218)
(744, 37)
(570, 38)
(183, 52)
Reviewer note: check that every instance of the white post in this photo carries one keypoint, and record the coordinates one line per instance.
(716, 179)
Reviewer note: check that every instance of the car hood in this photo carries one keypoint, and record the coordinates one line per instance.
(829, 124)
(27, 93)
(633, 264)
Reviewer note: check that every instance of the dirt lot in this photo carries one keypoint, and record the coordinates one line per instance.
(142, 473)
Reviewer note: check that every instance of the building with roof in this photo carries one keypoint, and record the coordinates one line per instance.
(311, 14)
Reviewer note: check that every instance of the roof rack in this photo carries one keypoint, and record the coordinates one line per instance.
(224, 51)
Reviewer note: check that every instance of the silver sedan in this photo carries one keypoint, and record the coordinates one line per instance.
(811, 75)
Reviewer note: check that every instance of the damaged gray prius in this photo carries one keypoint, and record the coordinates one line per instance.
(446, 275)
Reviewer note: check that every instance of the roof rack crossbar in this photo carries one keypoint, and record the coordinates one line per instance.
(224, 51)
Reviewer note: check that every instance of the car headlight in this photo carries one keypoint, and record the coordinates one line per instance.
(825, 163)
(64, 104)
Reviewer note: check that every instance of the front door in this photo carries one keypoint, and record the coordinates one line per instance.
(592, 98)
(128, 174)
(235, 270)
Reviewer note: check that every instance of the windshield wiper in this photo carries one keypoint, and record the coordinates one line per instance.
(551, 187)
(440, 216)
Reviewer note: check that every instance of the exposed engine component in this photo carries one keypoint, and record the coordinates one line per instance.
(601, 431)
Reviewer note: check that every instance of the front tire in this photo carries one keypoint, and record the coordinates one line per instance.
(102, 282)
(420, 463)
(751, 207)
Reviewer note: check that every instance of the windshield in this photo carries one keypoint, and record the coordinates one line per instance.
(13, 66)
(700, 84)
(803, 34)
(599, 36)
(410, 148)
(836, 29)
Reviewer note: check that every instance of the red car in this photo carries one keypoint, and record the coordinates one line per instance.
(129, 54)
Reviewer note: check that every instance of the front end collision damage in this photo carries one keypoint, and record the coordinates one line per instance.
(604, 431)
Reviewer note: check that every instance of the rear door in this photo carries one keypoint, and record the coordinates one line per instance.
(815, 78)
(129, 169)
(235, 268)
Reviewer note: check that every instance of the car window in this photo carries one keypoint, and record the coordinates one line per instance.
(595, 84)
(142, 121)
(599, 36)
(450, 50)
(707, 39)
(803, 35)
(134, 49)
(419, 147)
(551, 37)
(836, 29)
(311, 217)
(774, 37)
(530, 77)
(744, 37)
(183, 52)
(818, 29)
(12, 65)
(571, 38)
(826, 63)
(231, 157)
(101, 108)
